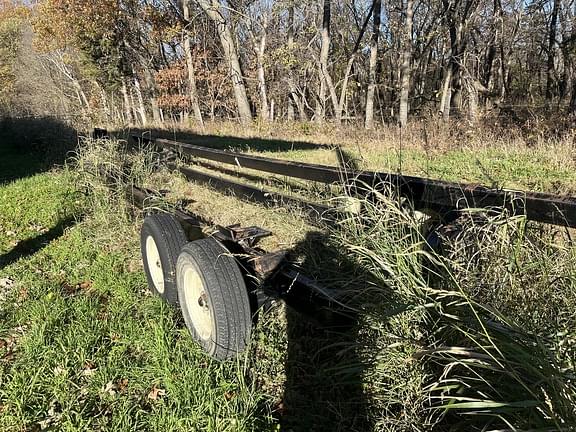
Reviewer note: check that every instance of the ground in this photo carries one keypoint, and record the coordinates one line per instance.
(84, 346)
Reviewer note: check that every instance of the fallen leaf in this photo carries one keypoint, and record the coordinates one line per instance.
(84, 285)
(89, 368)
(38, 228)
(9, 356)
(123, 384)
(54, 416)
(22, 294)
(6, 282)
(7, 343)
(156, 392)
(59, 370)
(109, 388)
(229, 395)
(68, 288)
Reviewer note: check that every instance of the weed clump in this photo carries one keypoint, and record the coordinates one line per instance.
(478, 335)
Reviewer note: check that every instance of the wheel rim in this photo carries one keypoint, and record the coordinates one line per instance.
(196, 301)
(155, 264)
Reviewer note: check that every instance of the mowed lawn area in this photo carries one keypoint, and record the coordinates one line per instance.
(83, 345)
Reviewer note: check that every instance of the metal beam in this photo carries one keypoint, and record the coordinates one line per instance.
(424, 193)
(315, 212)
(296, 289)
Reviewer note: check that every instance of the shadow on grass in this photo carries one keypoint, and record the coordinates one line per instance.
(31, 145)
(324, 374)
(32, 245)
(223, 142)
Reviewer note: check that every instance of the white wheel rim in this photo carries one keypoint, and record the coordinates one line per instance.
(196, 301)
(154, 264)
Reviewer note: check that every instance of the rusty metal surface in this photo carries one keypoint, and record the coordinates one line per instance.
(313, 211)
(424, 193)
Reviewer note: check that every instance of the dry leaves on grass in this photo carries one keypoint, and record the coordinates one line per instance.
(22, 294)
(89, 369)
(6, 282)
(38, 228)
(60, 371)
(53, 418)
(156, 393)
(7, 348)
(112, 387)
(71, 290)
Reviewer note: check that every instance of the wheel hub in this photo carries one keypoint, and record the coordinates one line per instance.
(197, 303)
(155, 265)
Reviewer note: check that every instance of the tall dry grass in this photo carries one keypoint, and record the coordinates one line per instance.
(477, 335)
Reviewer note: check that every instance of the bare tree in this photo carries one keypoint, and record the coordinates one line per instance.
(552, 44)
(326, 83)
(351, 60)
(258, 38)
(192, 87)
(214, 12)
(372, 79)
(406, 67)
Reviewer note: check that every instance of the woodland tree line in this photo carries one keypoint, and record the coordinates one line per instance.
(362, 61)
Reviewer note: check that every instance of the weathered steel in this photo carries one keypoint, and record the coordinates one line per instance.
(424, 193)
(280, 278)
(247, 236)
(315, 212)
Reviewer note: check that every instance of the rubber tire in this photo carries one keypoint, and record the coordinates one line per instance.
(169, 237)
(226, 294)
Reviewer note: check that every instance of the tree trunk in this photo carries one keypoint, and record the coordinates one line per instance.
(141, 106)
(472, 100)
(260, 49)
(369, 120)
(151, 91)
(104, 102)
(344, 89)
(192, 88)
(446, 98)
(212, 9)
(325, 78)
(405, 69)
(127, 105)
(572, 107)
(133, 106)
(550, 67)
(294, 97)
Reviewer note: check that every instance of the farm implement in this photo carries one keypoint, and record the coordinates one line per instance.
(218, 275)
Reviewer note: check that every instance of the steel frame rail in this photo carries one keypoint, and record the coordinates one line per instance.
(314, 212)
(293, 287)
(424, 193)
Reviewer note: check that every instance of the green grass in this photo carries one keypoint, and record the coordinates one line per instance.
(490, 321)
(480, 337)
(88, 358)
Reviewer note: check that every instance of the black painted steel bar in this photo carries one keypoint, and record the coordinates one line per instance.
(424, 193)
(295, 288)
(315, 212)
